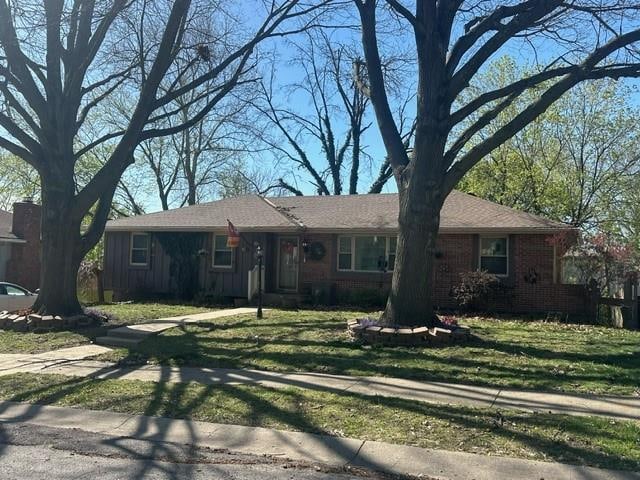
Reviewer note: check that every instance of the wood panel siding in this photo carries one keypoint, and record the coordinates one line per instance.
(129, 281)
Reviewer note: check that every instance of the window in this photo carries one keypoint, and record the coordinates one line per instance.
(15, 291)
(344, 253)
(139, 249)
(222, 255)
(494, 255)
(366, 253)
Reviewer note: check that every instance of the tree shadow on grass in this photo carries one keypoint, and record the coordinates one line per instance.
(290, 409)
(504, 364)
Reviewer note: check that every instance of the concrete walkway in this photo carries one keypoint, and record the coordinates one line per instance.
(24, 362)
(626, 408)
(327, 450)
(131, 335)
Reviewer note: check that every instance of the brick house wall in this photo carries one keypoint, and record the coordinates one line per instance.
(23, 266)
(532, 281)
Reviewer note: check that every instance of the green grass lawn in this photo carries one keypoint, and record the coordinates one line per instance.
(591, 441)
(507, 353)
(129, 313)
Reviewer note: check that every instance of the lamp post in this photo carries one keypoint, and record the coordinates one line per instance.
(259, 256)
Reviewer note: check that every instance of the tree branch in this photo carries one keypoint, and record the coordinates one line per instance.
(473, 156)
(391, 137)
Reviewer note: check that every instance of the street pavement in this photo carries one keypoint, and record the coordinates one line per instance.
(29, 452)
(327, 453)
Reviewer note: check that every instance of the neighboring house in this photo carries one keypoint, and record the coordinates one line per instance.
(328, 246)
(20, 245)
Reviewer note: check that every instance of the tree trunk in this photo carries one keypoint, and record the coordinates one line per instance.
(61, 254)
(410, 300)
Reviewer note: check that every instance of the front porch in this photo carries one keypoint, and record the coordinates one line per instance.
(281, 276)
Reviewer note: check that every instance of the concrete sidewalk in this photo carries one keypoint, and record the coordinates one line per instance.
(322, 449)
(24, 362)
(625, 408)
(131, 335)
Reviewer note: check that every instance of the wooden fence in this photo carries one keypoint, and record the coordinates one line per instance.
(625, 311)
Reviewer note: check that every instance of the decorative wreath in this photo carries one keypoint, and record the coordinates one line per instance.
(317, 251)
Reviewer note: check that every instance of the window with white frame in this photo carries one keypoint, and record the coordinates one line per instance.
(139, 254)
(494, 255)
(366, 253)
(222, 254)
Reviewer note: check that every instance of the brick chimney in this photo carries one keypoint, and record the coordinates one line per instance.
(23, 267)
(26, 220)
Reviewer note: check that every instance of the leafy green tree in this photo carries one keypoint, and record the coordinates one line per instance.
(573, 163)
(17, 181)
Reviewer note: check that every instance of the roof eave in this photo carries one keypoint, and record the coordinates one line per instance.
(342, 230)
(185, 228)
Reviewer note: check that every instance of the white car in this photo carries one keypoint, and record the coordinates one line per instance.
(14, 297)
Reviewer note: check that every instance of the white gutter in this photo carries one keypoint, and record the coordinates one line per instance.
(12, 240)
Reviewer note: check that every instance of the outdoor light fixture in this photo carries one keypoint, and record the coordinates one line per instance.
(259, 258)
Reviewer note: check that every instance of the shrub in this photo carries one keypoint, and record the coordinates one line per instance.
(475, 290)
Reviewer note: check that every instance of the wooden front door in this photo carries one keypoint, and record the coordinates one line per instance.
(288, 256)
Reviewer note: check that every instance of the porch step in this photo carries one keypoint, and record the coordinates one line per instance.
(118, 341)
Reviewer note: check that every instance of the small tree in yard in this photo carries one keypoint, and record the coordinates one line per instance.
(453, 40)
(60, 60)
(600, 260)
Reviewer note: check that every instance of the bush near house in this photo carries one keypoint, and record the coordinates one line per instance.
(477, 290)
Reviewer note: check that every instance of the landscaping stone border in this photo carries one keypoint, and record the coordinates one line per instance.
(361, 329)
(45, 323)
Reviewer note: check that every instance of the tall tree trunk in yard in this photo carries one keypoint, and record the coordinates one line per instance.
(64, 244)
(59, 273)
(61, 255)
(410, 300)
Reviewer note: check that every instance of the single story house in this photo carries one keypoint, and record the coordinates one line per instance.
(20, 244)
(329, 246)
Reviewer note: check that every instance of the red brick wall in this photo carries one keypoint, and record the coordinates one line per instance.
(531, 257)
(23, 267)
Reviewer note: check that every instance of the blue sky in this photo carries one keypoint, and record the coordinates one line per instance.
(374, 146)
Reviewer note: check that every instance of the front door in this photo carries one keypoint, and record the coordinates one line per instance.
(288, 263)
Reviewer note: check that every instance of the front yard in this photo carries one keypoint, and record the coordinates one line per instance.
(505, 352)
(127, 313)
(510, 353)
(600, 442)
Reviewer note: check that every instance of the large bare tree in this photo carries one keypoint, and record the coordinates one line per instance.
(60, 60)
(452, 40)
(321, 133)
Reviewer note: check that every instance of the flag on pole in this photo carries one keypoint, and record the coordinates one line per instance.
(233, 237)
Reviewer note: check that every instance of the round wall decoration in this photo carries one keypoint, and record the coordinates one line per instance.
(317, 251)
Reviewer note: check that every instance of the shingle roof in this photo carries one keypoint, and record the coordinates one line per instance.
(249, 212)
(462, 212)
(6, 224)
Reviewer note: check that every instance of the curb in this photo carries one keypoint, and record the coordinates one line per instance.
(334, 451)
